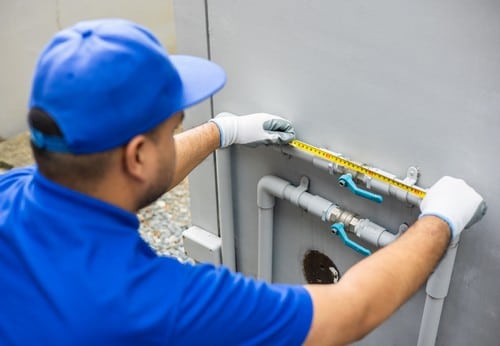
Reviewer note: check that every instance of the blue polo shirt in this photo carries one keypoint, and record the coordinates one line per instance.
(74, 271)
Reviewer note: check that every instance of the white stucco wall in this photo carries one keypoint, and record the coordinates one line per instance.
(27, 25)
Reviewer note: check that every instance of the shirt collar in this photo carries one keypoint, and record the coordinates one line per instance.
(80, 205)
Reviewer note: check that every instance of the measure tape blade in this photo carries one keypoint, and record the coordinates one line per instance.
(356, 167)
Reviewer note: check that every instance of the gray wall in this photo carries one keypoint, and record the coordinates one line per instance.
(389, 83)
(27, 25)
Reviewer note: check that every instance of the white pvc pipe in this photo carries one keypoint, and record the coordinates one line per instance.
(265, 245)
(437, 288)
(430, 321)
(225, 207)
(372, 184)
(373, 233)
(267, 188)
(270, 187)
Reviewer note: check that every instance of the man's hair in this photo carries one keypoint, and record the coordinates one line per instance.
(75, 171)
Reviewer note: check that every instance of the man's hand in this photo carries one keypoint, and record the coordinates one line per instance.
(253, 129)
(455, 202)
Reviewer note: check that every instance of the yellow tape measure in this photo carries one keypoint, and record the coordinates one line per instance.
(329, 156)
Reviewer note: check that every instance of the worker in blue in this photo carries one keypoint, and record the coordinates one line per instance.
(105, 101)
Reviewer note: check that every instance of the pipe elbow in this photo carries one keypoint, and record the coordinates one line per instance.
(268, 188)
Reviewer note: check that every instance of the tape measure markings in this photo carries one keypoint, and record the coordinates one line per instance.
(329, 156)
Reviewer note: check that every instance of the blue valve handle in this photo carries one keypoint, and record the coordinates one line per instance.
(347, 181)
(338, 229)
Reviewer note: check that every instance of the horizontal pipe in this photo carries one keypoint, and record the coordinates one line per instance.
(373, 233)
(369, 182)
(270, 187)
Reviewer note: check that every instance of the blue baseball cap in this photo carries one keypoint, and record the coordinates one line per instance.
(105, 81)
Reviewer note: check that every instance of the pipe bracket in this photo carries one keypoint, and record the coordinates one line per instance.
(299, 190)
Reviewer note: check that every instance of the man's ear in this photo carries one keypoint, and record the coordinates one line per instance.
(134, 160)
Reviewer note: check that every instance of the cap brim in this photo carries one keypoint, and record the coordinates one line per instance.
(200, 78)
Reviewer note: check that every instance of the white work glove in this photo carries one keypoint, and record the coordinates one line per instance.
(258, 128)
(455, 202)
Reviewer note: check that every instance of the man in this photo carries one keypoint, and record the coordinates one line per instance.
(105, 101)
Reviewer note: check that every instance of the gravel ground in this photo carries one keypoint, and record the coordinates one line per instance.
(162, 223)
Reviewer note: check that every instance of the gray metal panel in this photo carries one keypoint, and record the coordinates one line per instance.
(191, 33)
(389, 83)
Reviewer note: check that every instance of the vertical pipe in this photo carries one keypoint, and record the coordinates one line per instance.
(225, 205)
(437, 288)
(265, 244)
(268, 188)
(430, 321)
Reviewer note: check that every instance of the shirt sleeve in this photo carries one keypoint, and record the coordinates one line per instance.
(219, 307)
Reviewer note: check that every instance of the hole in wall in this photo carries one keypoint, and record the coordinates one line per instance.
(318, 268)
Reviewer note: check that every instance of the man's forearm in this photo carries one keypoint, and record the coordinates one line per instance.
(192, 147)
(375, 287)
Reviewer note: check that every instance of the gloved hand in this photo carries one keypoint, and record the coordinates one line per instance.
(455, 202)
(258, 128)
